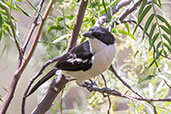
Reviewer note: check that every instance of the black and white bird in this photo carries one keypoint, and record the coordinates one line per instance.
(86, 60)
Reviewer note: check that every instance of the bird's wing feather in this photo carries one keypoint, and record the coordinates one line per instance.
(79, 58)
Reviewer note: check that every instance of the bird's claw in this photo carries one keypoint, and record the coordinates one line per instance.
(89, 84)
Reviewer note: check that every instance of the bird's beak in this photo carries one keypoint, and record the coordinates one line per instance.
(88, 34)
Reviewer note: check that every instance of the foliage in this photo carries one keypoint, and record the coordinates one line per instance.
(145, 64)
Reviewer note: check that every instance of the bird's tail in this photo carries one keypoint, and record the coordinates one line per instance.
(41, 81)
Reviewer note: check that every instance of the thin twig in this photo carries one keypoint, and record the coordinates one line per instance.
(33, 27)
(61, 101)
(108, 111)
(129, 10)
(123, 82)
(34, 8)
(167, 84)
(113, 92)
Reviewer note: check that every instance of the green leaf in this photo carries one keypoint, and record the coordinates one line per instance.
(164, 21)
(159, 44)
(165, 29)
(3, 50)
(136, 53)
(59, 27)
(166, 38)
(109, 6)
(141, 17)
(19, 0)
(126, 33)
(154, 38)
(148, 24)
(1, 20)
(51, 28)
(106, 11)
(152, 63)
(151, 32)
(58, 39)
(142, 7)
(167, 46)
(155, 2)
(127, 27)
(23, 10)
(59, 19)
(3, 5)
(56, 27)
(7, 28)
(69, 17)
(165, 54)
(154, 60)
(159, 53)
(146, 78)
(10, 5)
(159, 2)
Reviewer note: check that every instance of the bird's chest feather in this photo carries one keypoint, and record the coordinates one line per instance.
(103, 59)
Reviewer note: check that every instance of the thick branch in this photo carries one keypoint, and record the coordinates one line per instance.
(78, 24)
(55, 88)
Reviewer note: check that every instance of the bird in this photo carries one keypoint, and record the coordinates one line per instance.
(87, 60)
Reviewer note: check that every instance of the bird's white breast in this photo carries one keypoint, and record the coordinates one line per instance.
(101, 61)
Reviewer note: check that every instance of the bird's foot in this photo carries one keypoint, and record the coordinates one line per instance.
(88, 84)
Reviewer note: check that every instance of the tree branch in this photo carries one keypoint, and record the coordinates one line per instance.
(78, 24)
(113, 92)
(123, 82)
(129, 10)
(55, 88)
(33, 27)
(110, 104)
(121, 3)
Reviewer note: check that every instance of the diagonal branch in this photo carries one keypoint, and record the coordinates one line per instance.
(129, 10)
(33, 27)
(113, 92)
(123, 82)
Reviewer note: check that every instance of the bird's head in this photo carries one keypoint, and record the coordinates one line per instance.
(99, 38)
(100, 34)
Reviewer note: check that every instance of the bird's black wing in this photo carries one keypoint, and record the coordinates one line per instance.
(79, 58)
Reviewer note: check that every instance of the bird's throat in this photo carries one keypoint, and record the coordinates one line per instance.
(96, 45)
